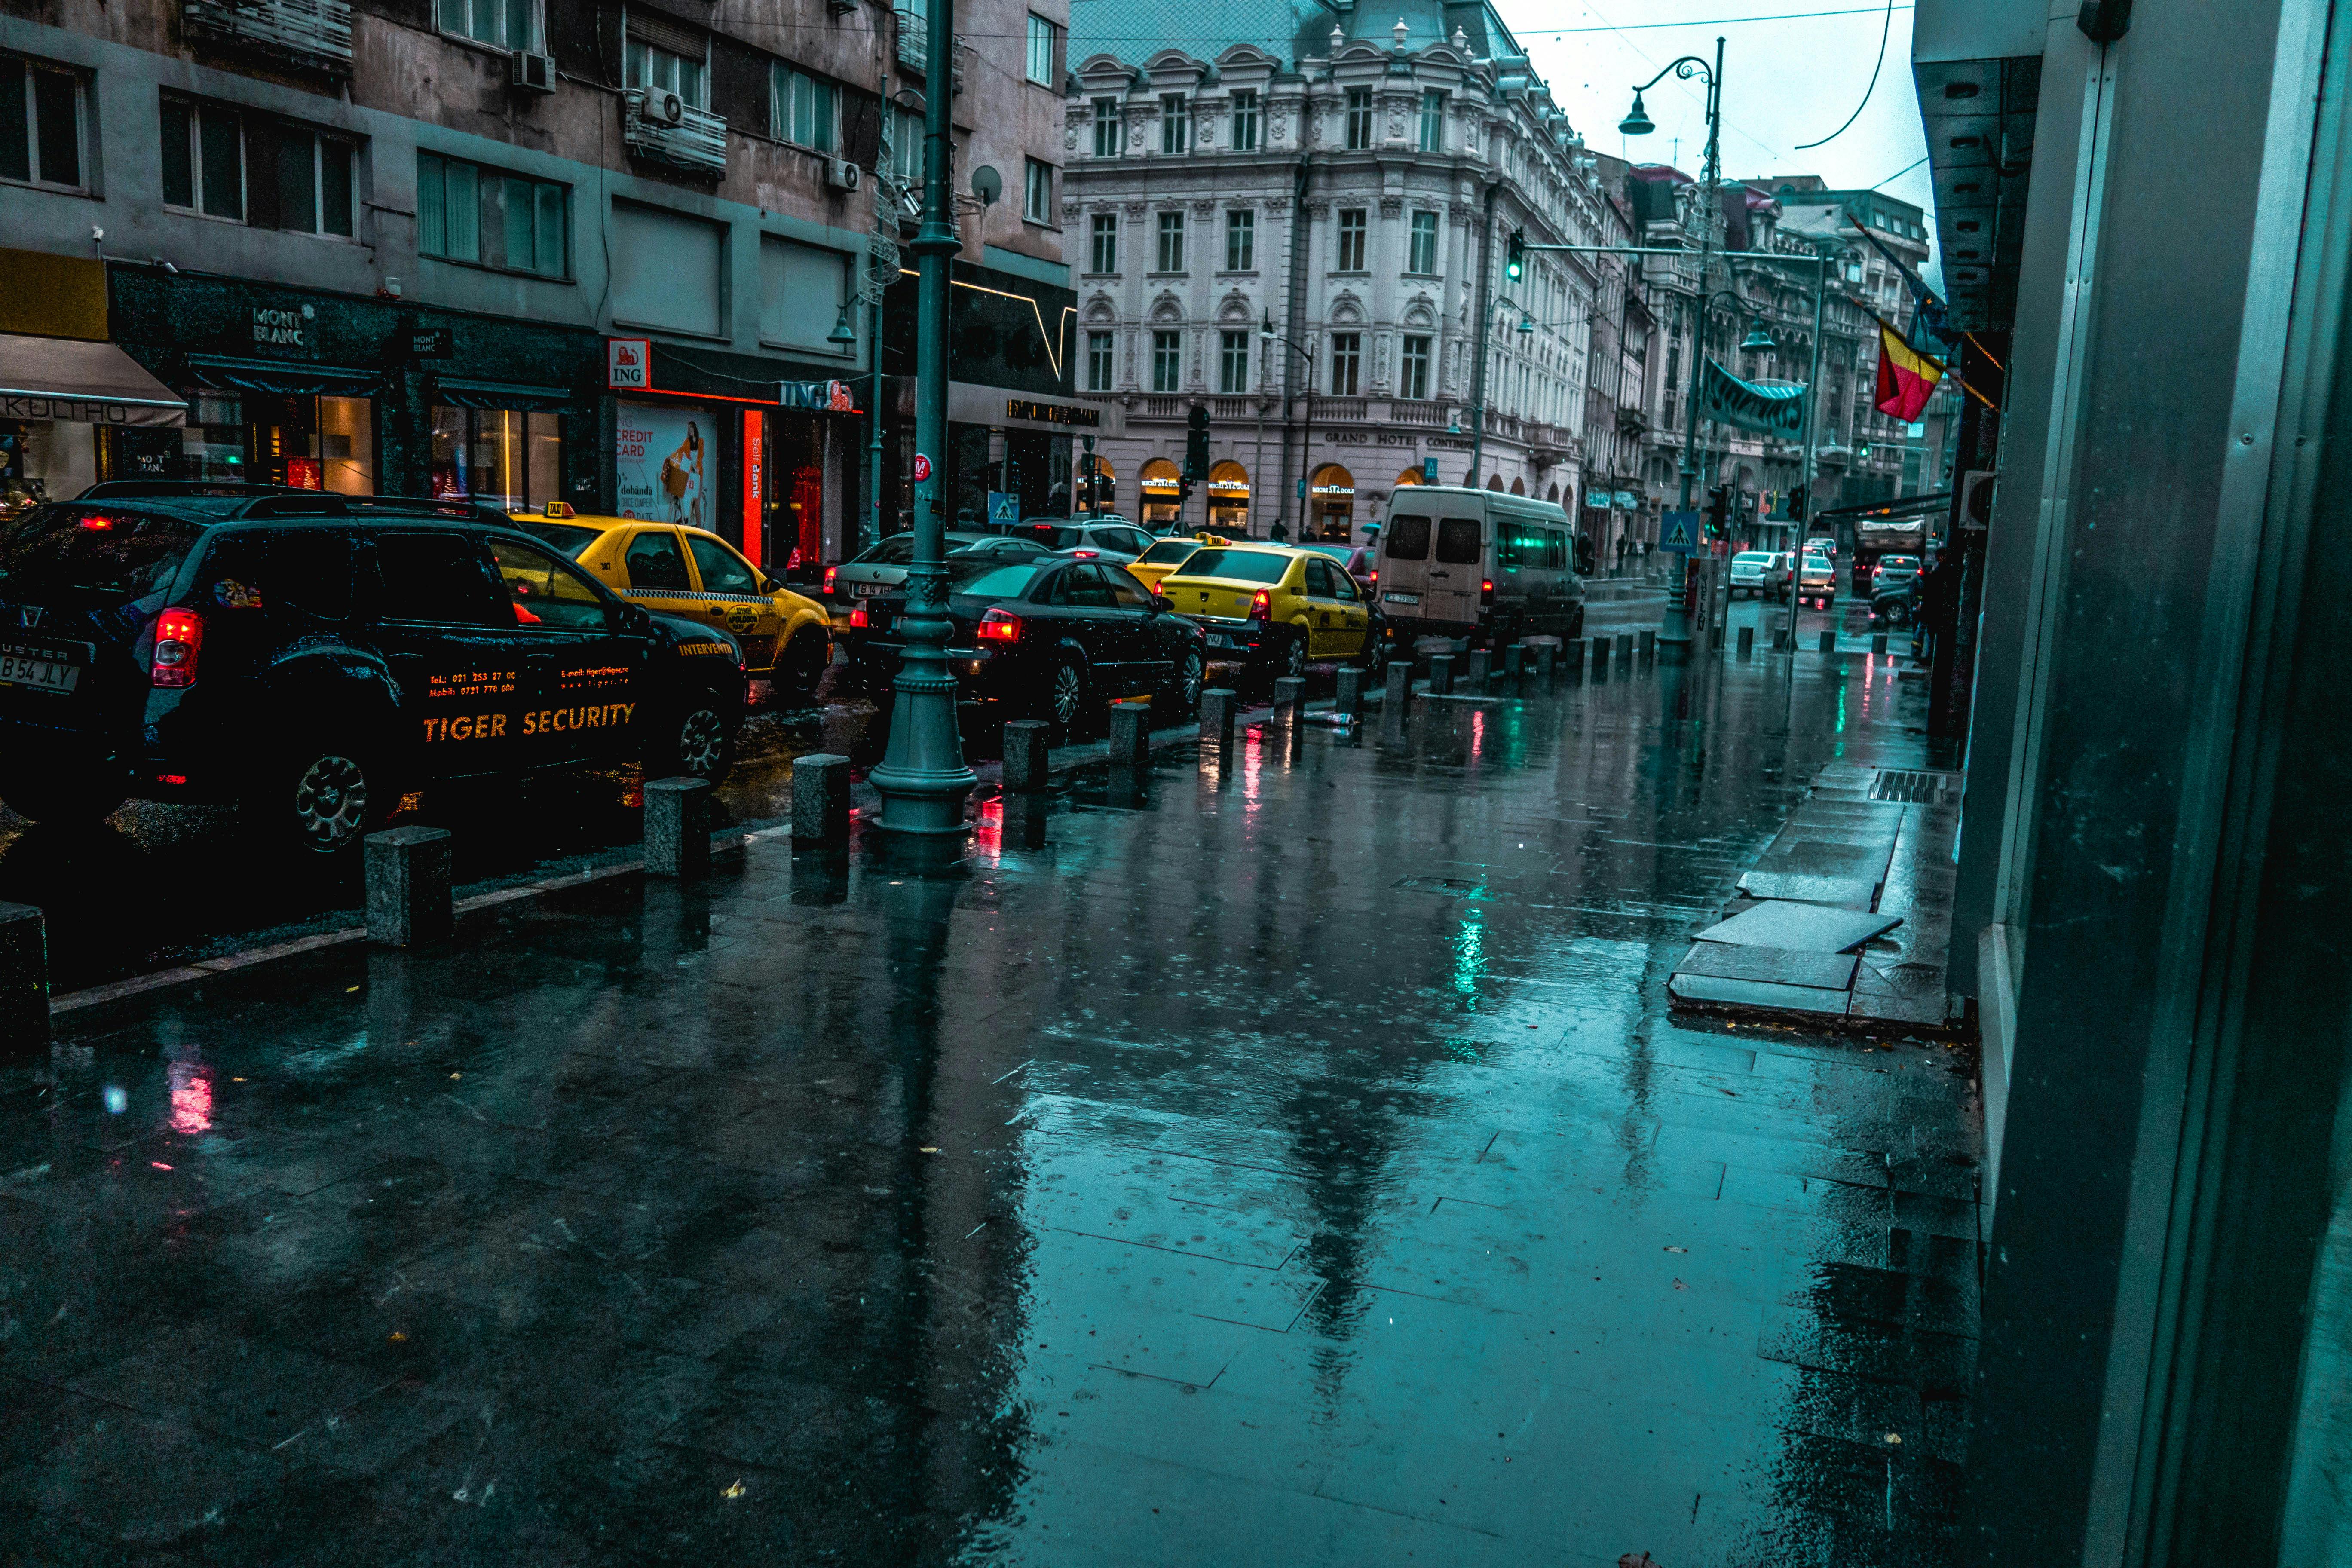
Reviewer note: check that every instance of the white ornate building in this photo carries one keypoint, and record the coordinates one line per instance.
(1355, 186)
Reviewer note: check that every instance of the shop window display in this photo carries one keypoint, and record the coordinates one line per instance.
(503, 456)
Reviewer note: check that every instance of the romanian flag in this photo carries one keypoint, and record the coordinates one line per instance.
(1906, 378)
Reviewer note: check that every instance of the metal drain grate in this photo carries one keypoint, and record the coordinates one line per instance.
(1917, 788)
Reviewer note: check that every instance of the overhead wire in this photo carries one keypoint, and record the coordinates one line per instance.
(1884, 32)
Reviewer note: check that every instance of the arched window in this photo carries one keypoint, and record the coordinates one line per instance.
(1331, 504)
(1518, 487)
(1098, 484)
(1158, 479)
(1229, 500)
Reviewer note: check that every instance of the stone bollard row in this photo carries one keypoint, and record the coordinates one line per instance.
(1878, 642)
(1472, 671)
(1829, 641)
(677, 828)
(1571, 654)
(1289, 698)
(1130, 734)
(1441, 674)
(1649, 648)
(407, 873)
(1217, 705)
(1747, 642)
(820, 795)
(1347, 696)
(1398, 689)
(1624, 650)
(1025, 754)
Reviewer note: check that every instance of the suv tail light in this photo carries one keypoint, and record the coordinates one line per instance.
(830, 573)
(179, 637)
(996, 626)
(1261, 605)
(857, 617)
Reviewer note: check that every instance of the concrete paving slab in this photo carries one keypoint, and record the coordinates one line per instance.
(1842, 892)
(1815, 928)
(1788, 966)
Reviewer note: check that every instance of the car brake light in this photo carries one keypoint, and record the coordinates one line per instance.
(998, 627)
(1261, 605)
(857, 617)
(1083, 554)
(97, 523)
(830, 573)
(1486, 591)
(1376, 577)
(179, 637)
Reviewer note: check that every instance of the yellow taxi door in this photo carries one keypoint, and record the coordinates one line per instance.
(731, 601)
(1349, 616)
(653, 571)
(1322, 606)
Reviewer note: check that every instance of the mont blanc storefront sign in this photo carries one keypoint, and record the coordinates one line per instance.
(277, 327)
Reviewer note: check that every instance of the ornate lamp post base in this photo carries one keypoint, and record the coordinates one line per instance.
(923, 778)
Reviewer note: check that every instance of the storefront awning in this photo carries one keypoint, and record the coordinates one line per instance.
(466, 394)
(283, 378)
(92, 383)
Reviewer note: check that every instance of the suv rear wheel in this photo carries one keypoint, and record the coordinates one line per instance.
(324, 797)
(694, 737)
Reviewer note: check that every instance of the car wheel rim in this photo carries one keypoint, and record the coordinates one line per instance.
(331, 802)
(1065, 695)
(701, 738)
(1293, 658)
(1192, 675)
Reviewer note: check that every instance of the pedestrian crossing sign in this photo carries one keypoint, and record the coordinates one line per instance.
(1678, 532)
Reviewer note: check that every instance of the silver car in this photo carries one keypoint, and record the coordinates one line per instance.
(1103, 540)
(1747, 571)
(880, 569)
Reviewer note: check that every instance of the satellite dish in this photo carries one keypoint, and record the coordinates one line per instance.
(987, 185)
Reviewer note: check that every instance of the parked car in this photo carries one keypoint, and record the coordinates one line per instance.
(1893, 572)
(1362, 561)
(310, 656)
(1052, 637)
(1461, 563)
(1002, 547)
(786, 637)
(1816, 579)
(880, 569)
(1822, 544)
(1277, 608)
(1747, 571)
(1106, 540)
(1779, 575)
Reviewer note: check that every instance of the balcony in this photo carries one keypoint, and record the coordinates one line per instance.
(1339, 410)
(914, 35)
(697, 142)
(312, 34)
(1407, 412)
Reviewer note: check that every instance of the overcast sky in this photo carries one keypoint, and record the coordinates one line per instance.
(1787, 79)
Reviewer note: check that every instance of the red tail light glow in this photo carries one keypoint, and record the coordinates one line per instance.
(996, 626)
(830, 573)
(857, 617)
(1261, 605)
(1085, 554)
(97, 523)
(179, 637)
(1376, 576)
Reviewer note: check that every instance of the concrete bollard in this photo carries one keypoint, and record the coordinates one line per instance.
(1130, 734)
(1624, 650)
(1348, 695)
(1571, 657)
(677, 828)
(1649, 645)
(1509, 665)
(407, 874)
(1217, 715)
(1441, 674)
(1398, 692)
(821, 796)
(1747, 642)
(1546, 658)
(1473, 671)
(1784, 628)
(1025, 754)
(1878, 642)
(1290, 696)
(1829, 641)
(24, 981)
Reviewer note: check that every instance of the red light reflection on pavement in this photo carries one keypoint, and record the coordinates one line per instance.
(192, 1098)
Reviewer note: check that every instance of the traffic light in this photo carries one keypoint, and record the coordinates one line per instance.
(1718, 511)
(1797, 505)
(1196, 444)
(1515, 258)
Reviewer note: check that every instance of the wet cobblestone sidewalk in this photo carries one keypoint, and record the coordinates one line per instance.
(1286, 1160)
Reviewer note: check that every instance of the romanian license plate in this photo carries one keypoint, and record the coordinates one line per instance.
(20, 667)
(867, 590)
(1395, 598)
(1223, 639)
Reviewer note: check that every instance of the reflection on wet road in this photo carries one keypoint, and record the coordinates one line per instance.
(1286, 1159)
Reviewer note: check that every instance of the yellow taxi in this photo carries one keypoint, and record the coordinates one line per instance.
(1167, 555)
(694, 574)
(1277, 608)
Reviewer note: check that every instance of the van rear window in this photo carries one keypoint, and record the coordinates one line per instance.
(96, 551)
(1408, 539)
(1458, 543)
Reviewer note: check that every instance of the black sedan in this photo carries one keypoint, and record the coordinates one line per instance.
(1053, 639)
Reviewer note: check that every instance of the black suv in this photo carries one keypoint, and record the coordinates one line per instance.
(311, 655)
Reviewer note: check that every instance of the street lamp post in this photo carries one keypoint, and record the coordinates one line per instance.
(923, 778)
(1675, 628)
(1281, 503)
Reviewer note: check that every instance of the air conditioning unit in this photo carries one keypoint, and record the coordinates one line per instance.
(841, 174)
(659, 107)
(528, 72)
(1975, 500)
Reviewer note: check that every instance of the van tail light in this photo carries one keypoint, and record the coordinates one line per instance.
(1486, 592)
(1262, 606)
(857, 617)
(995, 626)
(179, 637)
(830, 573)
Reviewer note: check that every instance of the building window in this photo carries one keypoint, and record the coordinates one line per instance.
(1346, 362)
(468, 213)
(1432, 120)
(1360, 118)
(1171, 242)
(40, 124)
(906, 145)
(1413, 378)
(1167, 361)
(656, 69)
(204, 159)
(1175, 123)
(1232, 362)
(510, 459)
(502, 24)
(254, 169)
(1351, 241)
(1245, 120)
(1241, 240)
(1423, 249)
(1107, 141)
(1038, 192)
(802, 109)
(1098, 362)
(1106, 236)
(1044, 50)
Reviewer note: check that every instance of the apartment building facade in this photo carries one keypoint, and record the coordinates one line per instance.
(623, 256)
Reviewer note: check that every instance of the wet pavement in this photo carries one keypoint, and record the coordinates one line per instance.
(1284, 1158)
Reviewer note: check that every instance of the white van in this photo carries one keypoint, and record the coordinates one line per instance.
(1462, 562)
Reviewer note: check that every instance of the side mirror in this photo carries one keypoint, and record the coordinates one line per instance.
(770, 586)
(635, 620)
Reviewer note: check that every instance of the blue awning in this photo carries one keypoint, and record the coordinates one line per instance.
(465, 392)
(284, 378)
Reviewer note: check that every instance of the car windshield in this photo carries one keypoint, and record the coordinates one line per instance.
(1237, 565)
(570, 538)
(986, 579)
(91, 550)
(1054, 537)
(1816, 562)
(1171, 552)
